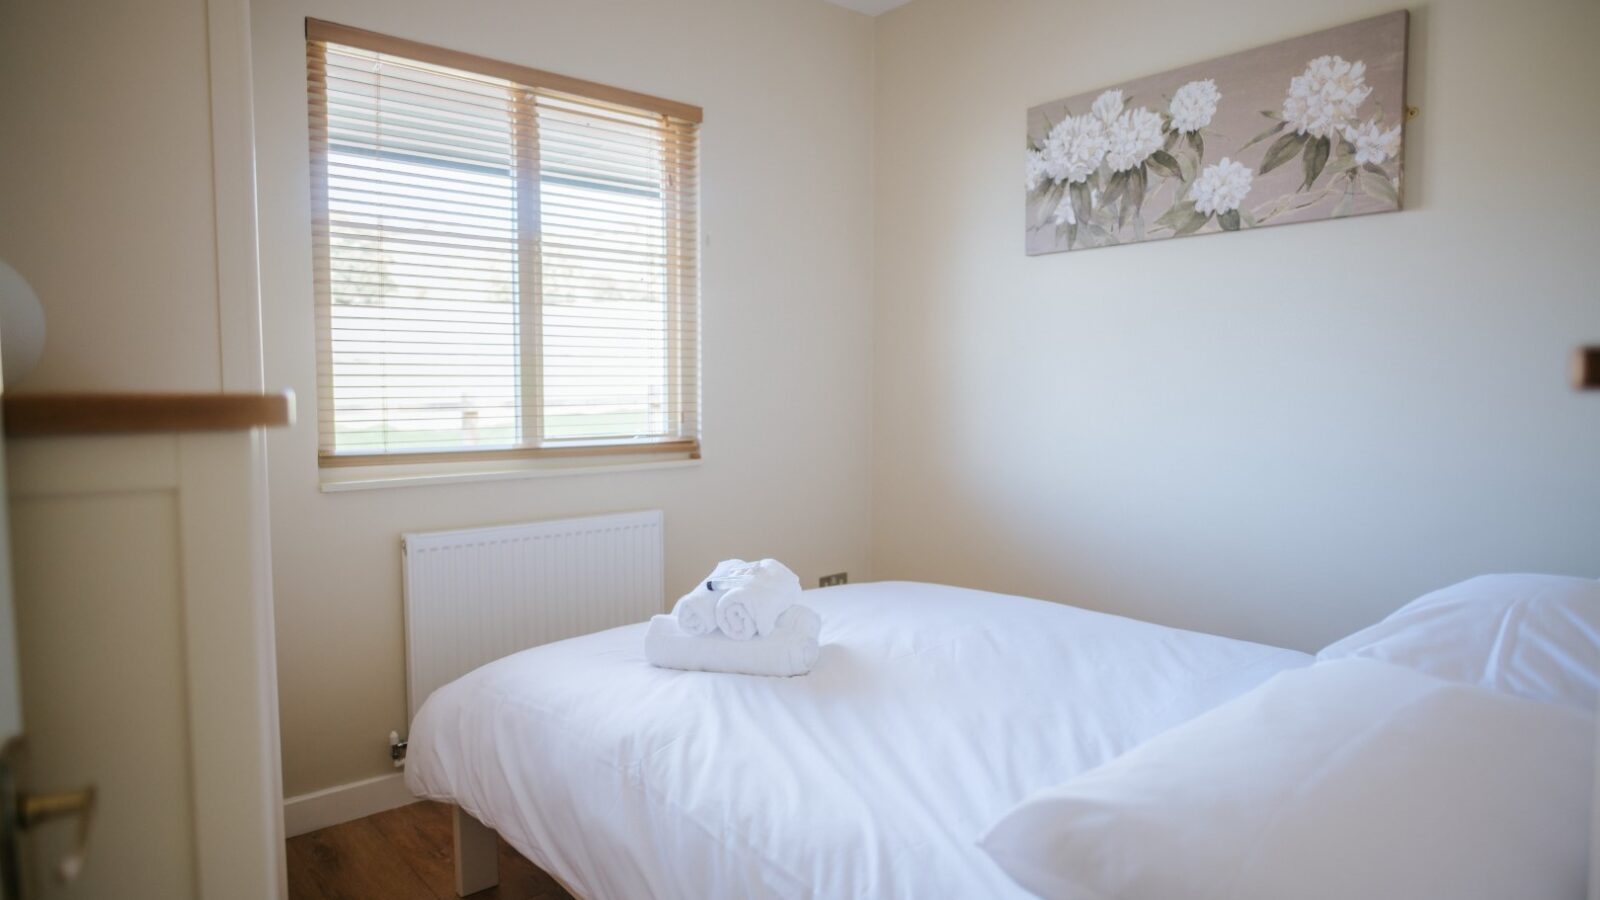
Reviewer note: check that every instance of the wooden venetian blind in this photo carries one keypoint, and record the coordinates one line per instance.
(506, 259)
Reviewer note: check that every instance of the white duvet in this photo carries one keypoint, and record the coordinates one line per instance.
(930, 712)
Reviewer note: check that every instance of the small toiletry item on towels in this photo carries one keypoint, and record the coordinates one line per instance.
(696, 611)
(757, 596)
(790, 649)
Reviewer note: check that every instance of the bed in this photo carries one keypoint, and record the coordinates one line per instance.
(931, 711)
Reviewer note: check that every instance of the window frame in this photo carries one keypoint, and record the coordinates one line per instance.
(683, 299)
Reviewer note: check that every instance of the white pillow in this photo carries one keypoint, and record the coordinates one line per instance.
(1534, 636)
(1341, 780)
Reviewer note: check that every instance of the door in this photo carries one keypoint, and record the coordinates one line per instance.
(21, 809)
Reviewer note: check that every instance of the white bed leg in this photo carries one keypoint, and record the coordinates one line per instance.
(477, 855)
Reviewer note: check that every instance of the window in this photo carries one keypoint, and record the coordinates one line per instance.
(506, 259)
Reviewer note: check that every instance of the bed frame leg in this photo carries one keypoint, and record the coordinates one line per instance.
(477, 855)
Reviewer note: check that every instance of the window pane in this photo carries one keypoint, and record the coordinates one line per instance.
(422, 263)
(603, 247)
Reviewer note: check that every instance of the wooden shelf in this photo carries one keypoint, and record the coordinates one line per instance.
(57, 414)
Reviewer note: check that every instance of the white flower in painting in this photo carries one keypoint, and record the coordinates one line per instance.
(1035, 172)
(1326, 97)
(1108, 106)
(1193, 105)
(1372, 143)
(1074, 148)
(1133, 137)
(1221, 187)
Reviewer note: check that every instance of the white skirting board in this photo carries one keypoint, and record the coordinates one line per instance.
(343, 803)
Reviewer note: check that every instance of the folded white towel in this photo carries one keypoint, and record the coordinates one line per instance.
(696, 611)
(791, 648)
(760, 592)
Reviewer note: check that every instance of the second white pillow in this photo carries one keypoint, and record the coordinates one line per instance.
(1533, 636)
(1345, 779)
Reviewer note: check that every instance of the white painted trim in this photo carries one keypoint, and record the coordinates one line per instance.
(241, 367)
(233, 181)
(231, 668)
(344, 803)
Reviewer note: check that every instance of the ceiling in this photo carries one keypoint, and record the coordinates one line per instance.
(870, 7)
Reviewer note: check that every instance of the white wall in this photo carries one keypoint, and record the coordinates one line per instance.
(1279, 435)
(106, 191)
(786, 201)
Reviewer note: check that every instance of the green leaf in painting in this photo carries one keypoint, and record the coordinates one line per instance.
(1316, 157)
(1375, 169)
(1379, 188)
(1049, 200)
(1072, 236)
(1281, 151)
(1114, 189)
(1270, 114)
(1346, 199)
(1229, 220)
(1264, 135)
(1176, 214)
(1195, 221)
(1188, 166)
(1164, 164)
(1171, 141)
(1198, 143)
(1137, 179)
(1081, 207)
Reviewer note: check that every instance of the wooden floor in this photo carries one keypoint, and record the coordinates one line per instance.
(402, 854)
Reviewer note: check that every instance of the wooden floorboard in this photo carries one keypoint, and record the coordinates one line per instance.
(401, 854)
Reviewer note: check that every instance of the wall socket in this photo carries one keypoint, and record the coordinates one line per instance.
(834, 580)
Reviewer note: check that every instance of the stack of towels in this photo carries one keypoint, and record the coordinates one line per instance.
(745, 617)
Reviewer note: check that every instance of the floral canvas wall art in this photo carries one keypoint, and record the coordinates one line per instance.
(1304, 129)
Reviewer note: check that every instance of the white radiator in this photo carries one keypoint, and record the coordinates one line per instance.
(476, 595)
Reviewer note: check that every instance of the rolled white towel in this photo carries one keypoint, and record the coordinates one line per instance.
(696, 611)
(790, 650)
(762, 591)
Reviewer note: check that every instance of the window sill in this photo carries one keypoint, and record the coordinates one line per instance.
(366, 478)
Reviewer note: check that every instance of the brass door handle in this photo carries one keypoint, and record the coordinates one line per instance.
(36, 809)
